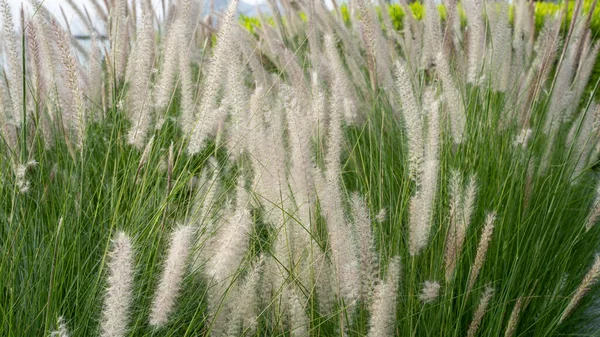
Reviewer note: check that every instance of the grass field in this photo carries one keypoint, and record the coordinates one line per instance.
(319, 173)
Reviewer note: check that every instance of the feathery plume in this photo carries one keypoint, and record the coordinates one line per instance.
(119, 294)
(61, 330)
(47, 57)
(518, 43)
(559, 109)
(366, 243)
(515, 78)
(208, 118)
(358, 77)
(383, 308)
(139, 94)
(513, 321)
(248, 45)
(268, 157)
(456, 232)
(119, 37)
(200, 186)
(244, 316)
(423, 202)
(342, 86)
(347, 37)
(484, 242)
(587, 283)
(453, 31)
(22, 183)
(582, 137)
(188, 104)
(204, 213)
(324, 282)
(476, 39)
(412, 118)
(36, 67)
(299, 321)
(524, 26)
(76, 116)
(586, 66)
(432, 38)
(522, 139)
(165, 84)
(95, 84)
(452, 96)
(384, 64)
(481, 310)
(14, 65)
(468, 204)
(369, 38)
(173, 272)
(318, 109)
(206, 193)
(236, 102)
(227, 248)
(312, 34)
(9, 130)
(501, 45)
(546, 48)
(381, 216)
(413, 35)
(546, 44)
(503, 84)
(3, 113)
(302, 171)
(280, 268)
(430, 291)
(146, 153)
(343, 248)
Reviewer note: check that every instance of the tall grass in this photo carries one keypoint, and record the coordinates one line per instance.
(309, 177)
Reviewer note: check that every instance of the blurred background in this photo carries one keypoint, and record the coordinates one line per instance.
(63, 9)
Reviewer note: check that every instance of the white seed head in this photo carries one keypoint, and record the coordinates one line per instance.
(119, 292)
(423, 202)
(366, 245)
(381, 216)
(61, 329)
(484, 242)
(173, 272)
(430, 291)
(383, 307)
(481, 310)
(513, 321)
(522, 139)
(590, 279)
